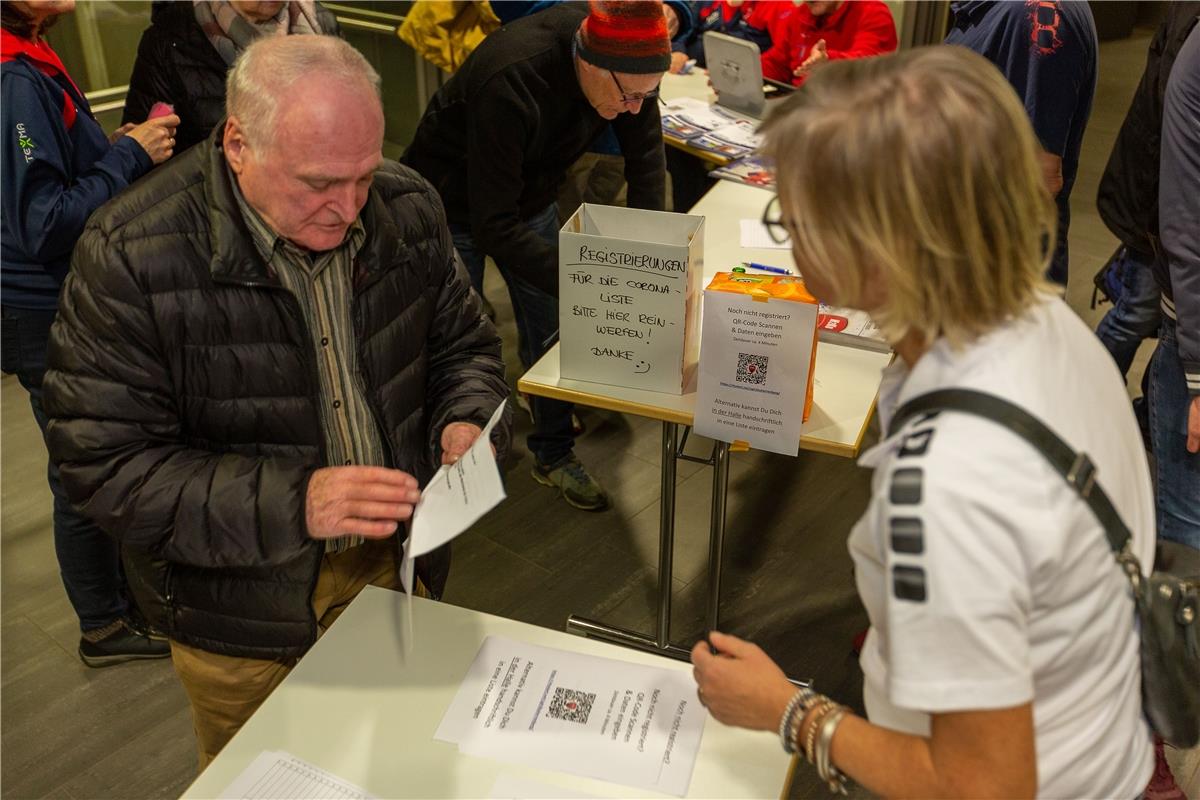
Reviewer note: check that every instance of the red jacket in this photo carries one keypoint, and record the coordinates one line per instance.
(856, 29)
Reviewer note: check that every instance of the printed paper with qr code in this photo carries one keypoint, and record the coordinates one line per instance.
(755, 356)
(598, 717)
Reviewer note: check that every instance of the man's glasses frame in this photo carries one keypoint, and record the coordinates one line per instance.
(633, 97)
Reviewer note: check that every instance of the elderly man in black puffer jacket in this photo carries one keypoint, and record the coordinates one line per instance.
(261, 351)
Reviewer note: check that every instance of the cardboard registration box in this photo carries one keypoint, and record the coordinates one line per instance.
(757, 359)
(629, 297)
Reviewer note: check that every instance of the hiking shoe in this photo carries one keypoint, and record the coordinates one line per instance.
(118, 642)
(1162, 784)
(574, 483)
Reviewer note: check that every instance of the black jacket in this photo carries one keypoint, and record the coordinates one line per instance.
(1128, 195)
(498, 139)
(177, 64)
(183, 392)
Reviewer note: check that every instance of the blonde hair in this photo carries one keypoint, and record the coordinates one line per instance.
(258, 83)
(921, 169)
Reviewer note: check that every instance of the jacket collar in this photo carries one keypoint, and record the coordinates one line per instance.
(968, 11)
(235, 258)
(40, 54)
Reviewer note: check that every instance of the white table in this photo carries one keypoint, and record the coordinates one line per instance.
(846, 384)
(358, 707)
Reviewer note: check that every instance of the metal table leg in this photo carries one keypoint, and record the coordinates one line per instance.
(716, 542)
(661, 641)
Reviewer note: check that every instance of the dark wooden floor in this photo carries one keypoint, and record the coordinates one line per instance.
(124, 732)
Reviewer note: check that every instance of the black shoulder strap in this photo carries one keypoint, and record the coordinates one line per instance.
(1076, 468)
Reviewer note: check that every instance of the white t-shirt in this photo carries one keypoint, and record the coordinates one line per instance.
(988, 582)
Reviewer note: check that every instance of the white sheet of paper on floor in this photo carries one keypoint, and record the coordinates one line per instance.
(276, 775)
(454, 499)
(553, 709)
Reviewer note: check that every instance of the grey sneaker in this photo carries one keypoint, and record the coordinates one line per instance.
(577, 487)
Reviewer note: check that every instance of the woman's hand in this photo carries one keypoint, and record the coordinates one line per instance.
(740, 685)
(156, 136)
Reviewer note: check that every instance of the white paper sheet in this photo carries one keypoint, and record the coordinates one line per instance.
(755, 234)
(597, 717)
(456, 496)
(276, 775)
(515, 787)
(698, 113)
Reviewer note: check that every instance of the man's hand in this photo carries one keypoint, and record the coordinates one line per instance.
(672, 21)
(1193, 440)
(361, 501)
(819, 53)
(740, 685)
(121, 131)
(457, 438)
(678, 60)
(1052, 172)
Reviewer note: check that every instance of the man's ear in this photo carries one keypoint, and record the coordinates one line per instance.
(234, 144)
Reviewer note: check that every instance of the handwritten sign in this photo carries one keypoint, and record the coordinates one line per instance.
(629, 297)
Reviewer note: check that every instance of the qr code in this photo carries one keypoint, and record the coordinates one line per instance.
(751, 368)
(571, 705)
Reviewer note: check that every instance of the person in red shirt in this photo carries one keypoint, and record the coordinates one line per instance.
(821, 31)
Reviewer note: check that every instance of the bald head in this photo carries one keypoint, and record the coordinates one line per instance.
(273, 73)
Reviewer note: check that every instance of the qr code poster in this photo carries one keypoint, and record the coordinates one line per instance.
(571, 705)
(751, 368)
(756, 361)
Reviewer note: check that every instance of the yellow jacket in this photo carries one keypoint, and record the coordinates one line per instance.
(445, 32)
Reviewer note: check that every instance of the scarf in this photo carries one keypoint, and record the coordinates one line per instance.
(231, 33)
(43, 57)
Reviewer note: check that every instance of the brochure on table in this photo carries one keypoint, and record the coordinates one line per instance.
(597, 717)
(629, 297)
(709, 128)
(756, 360)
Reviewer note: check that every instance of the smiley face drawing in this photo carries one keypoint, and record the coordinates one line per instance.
(641, 367)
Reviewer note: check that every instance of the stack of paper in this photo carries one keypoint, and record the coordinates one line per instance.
(590, 716)
(276, 775)
(709, 128)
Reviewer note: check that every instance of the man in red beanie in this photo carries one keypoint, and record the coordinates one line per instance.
(496, 142)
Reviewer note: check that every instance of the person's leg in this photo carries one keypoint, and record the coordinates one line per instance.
(1177, 472)
(473, 258)
(552, 440)
(1135, 315)
(89, 559)
(223, 692)
(372, 563)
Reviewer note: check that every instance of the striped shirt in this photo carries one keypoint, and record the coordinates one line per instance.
(322, 285)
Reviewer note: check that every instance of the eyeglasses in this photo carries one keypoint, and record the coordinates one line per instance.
(772, 220)
(633, 97)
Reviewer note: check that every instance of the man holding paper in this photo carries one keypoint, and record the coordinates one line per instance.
(261, 353)
(497, 141)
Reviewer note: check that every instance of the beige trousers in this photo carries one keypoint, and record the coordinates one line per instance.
(225, 690)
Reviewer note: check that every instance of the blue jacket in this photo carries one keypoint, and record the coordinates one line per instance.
(54, 174)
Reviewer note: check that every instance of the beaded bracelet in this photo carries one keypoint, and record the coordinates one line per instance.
(819, 713)
(799, 702)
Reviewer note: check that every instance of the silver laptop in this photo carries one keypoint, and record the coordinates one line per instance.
(735, 70)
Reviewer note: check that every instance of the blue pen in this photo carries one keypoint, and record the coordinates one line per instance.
(767, 268)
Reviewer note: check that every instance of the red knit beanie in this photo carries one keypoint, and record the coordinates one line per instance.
(626, 36)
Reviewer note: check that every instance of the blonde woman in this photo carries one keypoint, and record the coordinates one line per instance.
(1002, 659)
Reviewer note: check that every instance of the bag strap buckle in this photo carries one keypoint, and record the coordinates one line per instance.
(1082, 475)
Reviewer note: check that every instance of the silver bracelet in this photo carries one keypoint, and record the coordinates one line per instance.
(800, 699)
(823, 752)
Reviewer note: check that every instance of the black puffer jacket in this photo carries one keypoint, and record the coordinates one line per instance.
(182, 390)
(177, 64)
